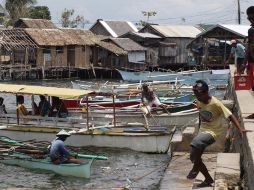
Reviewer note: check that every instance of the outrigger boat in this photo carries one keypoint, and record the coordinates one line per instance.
(75, 170)
(105, 135)
(35, 158)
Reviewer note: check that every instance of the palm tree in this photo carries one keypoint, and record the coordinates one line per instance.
(18, 9)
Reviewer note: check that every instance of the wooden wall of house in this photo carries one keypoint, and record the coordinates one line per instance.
(39, 57)
(171, 56)
(57, 58)
(82, 57)
(100, 30)
(62, 57)
(152, 56)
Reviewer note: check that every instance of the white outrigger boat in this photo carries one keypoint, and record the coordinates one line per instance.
(45, 128)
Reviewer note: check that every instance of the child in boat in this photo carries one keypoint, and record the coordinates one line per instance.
(58, 105)
(149, 98)
(22, 111)
(44, 106)
(58, 153)
(2, 106)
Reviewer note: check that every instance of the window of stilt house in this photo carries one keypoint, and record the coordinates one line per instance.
(59, 49)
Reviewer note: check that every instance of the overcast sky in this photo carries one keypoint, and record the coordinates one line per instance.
(187, 12)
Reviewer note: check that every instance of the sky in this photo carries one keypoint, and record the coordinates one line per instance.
(188, 12)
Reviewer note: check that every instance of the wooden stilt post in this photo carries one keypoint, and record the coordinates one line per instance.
(114, 110)
(87, 113)
(17, 112)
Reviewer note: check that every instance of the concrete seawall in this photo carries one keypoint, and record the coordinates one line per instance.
(244, 106)
(234, 170)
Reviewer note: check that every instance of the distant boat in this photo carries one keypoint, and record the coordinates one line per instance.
(188, 76)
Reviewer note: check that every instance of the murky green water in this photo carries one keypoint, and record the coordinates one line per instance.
(143, 171)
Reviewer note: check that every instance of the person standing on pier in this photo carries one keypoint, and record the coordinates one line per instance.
(237, 52)
(249, 59)
(210, 112)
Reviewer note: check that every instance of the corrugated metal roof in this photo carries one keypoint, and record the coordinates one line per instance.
(120, 27)
(239, 30)
(179, 31)
(127, 44)
(145, 35)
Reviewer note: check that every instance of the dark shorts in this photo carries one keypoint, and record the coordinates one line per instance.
(202, 140)
(239, 61)
(61, 160)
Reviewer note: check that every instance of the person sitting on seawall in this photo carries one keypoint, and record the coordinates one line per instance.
(58, 153)
(238, 52)
(210, 112)
(2, 106)
(61, 110)
(149, 98)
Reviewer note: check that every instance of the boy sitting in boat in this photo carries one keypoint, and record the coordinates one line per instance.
(58, 153)
(44, 106)
(149, 98)
(21, 109)
(58, 105)
(2, 106)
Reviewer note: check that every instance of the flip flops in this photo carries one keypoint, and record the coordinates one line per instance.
(206, 183)
(192, 174)
(251, 116)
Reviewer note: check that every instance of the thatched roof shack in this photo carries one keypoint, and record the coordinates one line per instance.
(82, 37)
(34, 23)
(75, 48)
(49, 37)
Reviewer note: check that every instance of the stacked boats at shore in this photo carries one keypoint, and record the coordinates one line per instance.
(100, 130)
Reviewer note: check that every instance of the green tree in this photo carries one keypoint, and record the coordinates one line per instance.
(17, 9)
(69, 21)
(148, 14)
(39, 12)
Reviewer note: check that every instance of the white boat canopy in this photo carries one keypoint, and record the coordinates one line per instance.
(43, 90)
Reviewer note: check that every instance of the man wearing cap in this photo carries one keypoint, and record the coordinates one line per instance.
(238, 52)
(58, 152)
(210, 112)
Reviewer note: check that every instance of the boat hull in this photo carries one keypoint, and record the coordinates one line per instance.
(175, 119)
(75, 170)
(150, 142)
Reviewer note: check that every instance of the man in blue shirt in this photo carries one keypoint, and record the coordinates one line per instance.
(238, 52)
(58, 152)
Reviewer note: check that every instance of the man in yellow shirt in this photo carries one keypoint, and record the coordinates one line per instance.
(211, 110)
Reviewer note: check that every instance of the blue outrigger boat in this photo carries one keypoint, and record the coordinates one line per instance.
(189, 77)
